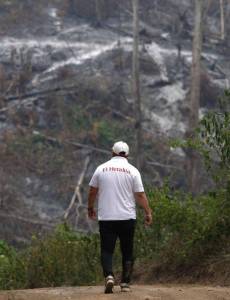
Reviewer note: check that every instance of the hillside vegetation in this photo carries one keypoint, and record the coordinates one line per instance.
(189, 239)
(66, 96)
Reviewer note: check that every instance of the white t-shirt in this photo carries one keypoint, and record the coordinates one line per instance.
(117, 181)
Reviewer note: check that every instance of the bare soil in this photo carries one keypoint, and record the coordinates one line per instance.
(145, 292)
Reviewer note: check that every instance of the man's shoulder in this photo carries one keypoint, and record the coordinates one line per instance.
(101, 166)
(134, 169)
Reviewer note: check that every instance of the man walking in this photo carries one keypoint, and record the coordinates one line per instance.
(118, 186)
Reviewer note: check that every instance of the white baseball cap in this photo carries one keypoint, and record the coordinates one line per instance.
(119, 147)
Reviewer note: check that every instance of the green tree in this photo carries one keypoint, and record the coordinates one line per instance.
(214, 134)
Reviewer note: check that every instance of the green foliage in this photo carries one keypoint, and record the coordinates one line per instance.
(76, 118)
(215, 132)
(184, 229)
(65, 257)
(84, 124)
(185, 232)
(212, 141)
(12, 268)
(108, 132)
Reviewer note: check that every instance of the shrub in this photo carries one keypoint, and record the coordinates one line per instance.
(12, 268)
(184, 229)
(185, 232)
(215, 141)
(64, 258)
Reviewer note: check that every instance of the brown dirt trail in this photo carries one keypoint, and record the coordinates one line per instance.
(140, 292)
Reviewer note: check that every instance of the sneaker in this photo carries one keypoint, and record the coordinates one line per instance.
(109, 283)
(125, 287)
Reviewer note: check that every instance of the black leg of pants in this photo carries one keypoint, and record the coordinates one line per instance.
(109, 232)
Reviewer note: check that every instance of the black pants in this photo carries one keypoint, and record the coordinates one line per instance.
(109, 232)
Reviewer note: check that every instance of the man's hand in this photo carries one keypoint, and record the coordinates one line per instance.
(91, 199)
(148, 219)
(92, 213)
(143, 202)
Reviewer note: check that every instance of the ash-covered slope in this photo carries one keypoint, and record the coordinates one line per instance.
(66, 80)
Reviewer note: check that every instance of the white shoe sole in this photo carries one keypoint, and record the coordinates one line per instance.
(109, 287)
(125, 288)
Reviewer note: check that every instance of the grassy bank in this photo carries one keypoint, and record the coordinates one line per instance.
(186, 232)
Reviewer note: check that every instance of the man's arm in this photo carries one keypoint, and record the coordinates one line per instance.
(91, 200)
(143, 202)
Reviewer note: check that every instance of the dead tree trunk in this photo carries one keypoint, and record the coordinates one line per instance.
(71, 8)
(136, 83)
(193, 159)
(222, 20)
(77, 193)
(99, 11)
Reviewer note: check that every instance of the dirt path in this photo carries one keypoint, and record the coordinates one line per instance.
(138, 292)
